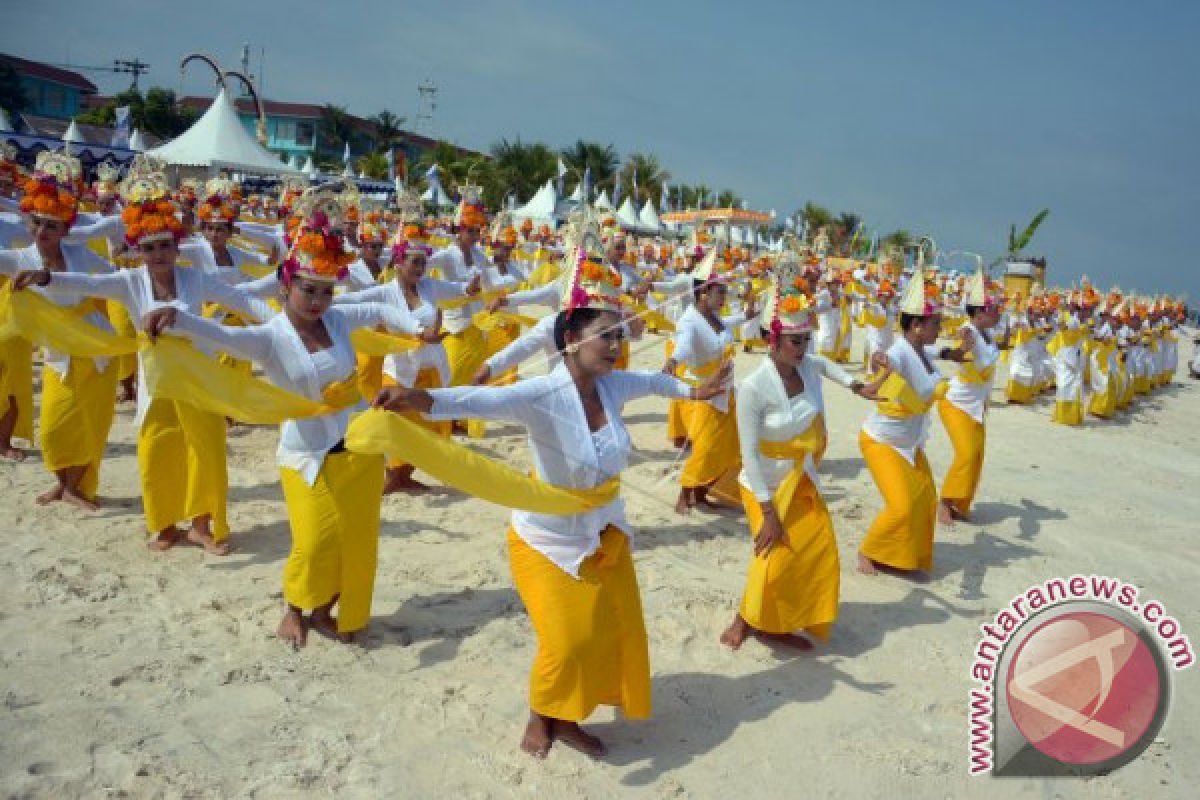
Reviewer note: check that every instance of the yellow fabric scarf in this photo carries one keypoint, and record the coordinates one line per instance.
(899, 400)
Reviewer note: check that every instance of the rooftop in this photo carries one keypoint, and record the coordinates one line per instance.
(36, 69)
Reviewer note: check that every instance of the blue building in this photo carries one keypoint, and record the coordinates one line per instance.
(51, 91)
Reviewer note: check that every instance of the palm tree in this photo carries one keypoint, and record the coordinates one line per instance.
(729, 199)
(842, 232)
(336, 127)
(387, 129)
(373, 165)
(650, 177)
(1018, 243)
(601, 159)
(815, 217)
(522, 168)
(901, 239)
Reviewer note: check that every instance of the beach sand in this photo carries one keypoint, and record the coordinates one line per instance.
(131, 674)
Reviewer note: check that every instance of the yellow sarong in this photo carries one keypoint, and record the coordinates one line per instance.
(76, 416)
(592, 647)
(715, 458)
(466, 352)
(968, 438)
(16, 384)
(427, 378)
(335, 536)
(119, 317)
(794, 586)
(181, 459)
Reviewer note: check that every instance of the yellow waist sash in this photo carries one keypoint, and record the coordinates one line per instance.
(655, 319)
(899, 400)
(813, 440)
(970, 373)
(697, 375)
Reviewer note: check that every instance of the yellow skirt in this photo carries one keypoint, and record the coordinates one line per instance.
(181, 458)
(592, 647)
(16, 384)
(428, 378)
(795, 586)
(123, 325)
(76, 416)
(370, 375)
(676, 409)
(968, 438)
(335, 536)
(1068, 412)
(1017, 392)
(902, 534)
(716, 457)
(466, 352)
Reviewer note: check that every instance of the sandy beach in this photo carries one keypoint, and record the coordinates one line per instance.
(130, 674)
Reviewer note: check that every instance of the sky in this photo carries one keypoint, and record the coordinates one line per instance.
(952, 119)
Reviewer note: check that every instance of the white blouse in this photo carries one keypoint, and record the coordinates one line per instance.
(79, 260)
(697, 344)
(766, 413)
(906, 436)
(287, 363)
(133, 289)
(454, 268)
(403, 367)
(972, 398)
(538, 339)
(565, 452)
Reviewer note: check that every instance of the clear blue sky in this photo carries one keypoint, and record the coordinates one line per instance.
(952, 118)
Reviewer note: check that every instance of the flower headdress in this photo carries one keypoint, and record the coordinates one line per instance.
(317, 252)
(53, 191)
(789, 306)
(921, 297)
(470, 212)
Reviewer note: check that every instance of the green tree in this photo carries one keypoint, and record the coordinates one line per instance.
(650, 177)
(336, 129)
(728, 198)
(387, 129)
(898, 239)
(519, 167)
(600, 158)
(1018, 243)
(815, 217)
(156, 112)
(12, 92)
(373, 165)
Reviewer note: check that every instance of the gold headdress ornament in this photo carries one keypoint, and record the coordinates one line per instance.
(788, 306)
(10, 170)
(589, 283)
(315, 249)
(920, 297)
(408, 205)
(149, 212)
(108, 175)
(976, 291)
(218, 204)
(470, 212)
(53, 191)
(706, 270)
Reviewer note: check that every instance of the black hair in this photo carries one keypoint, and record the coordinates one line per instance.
(908, 320)
(973, 310)
(572, 322)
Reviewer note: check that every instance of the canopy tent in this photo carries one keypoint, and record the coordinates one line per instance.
(627, 216)
(541, 207)
(649, 218)
(72, 136)
(5, 125)
(602, 201)
(435, 195)
(137, 142)
(218, 140)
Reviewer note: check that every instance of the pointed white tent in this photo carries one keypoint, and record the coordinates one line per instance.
(603, 202)
(72, 136)
(218, 140)
(577, 195)
(627, 215)
(5, 125)
(649, 217)
(541, 206)
(137, 142)
(309, 168)
(435, 195)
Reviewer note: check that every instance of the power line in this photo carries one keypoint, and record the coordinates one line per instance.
(135, 67)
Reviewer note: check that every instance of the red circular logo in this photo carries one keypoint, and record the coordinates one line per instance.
(1083, 688)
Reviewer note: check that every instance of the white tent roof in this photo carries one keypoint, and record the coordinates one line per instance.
(541, 206)
(435, 194)
(219, 140)
(627, 215)
(577, 195)
(137, 142)
(72, 135)
(602, 201)
(649, 217)
(5, 125)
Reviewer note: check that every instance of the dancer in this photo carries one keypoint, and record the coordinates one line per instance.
(574, 573)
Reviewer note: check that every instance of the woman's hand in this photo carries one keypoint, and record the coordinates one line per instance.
(158, 321)
(879, 362)
(636, 325)
(496, 303)
(401, 398)
(771, 533)
(716, 384)
(434, 333)
(482, 376)
(966, 342)
(669, 367)
(33, 277)
(474, 284)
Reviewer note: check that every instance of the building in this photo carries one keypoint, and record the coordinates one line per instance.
(52, 91)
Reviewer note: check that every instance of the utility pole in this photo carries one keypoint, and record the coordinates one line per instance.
(135, 67)
(426, 106)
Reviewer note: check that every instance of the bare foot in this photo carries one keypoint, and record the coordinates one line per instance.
(324, 623)
(735, 634)
(52, 496)
(680, 442)
(401, 480)
(866, 566)
(537, 740)
(12, 453)
(573, 736)
(205, 539)
(794, 640)
(685, 502)
(165, 540)
(128, 393)
(292, 629)
(945, 516)
(73, 497)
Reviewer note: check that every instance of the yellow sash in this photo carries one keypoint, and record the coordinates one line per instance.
(868, 319)
(381, 343)
(813, 440)
(482, 297)
(697, 375)
(655, 319)
(487, 320)
(970, 373)
(381, 432)
(899, 400)
(34, 317)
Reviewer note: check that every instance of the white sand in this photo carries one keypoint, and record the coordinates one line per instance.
(132, 674)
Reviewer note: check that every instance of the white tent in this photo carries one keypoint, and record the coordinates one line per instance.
(649, 217)
(137, 142)
(603, 202)
(72, 136)
(218, 140)
(5, 125)
(541, 206)
(309, 168)
(435, 195)
(627, 216)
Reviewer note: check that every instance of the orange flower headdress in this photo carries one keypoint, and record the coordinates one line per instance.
(53, 191)
(789, 305)
(371, 229)
(317, 252)
(470, 212)
(107, 177)
(10, 170)
(218, 205)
